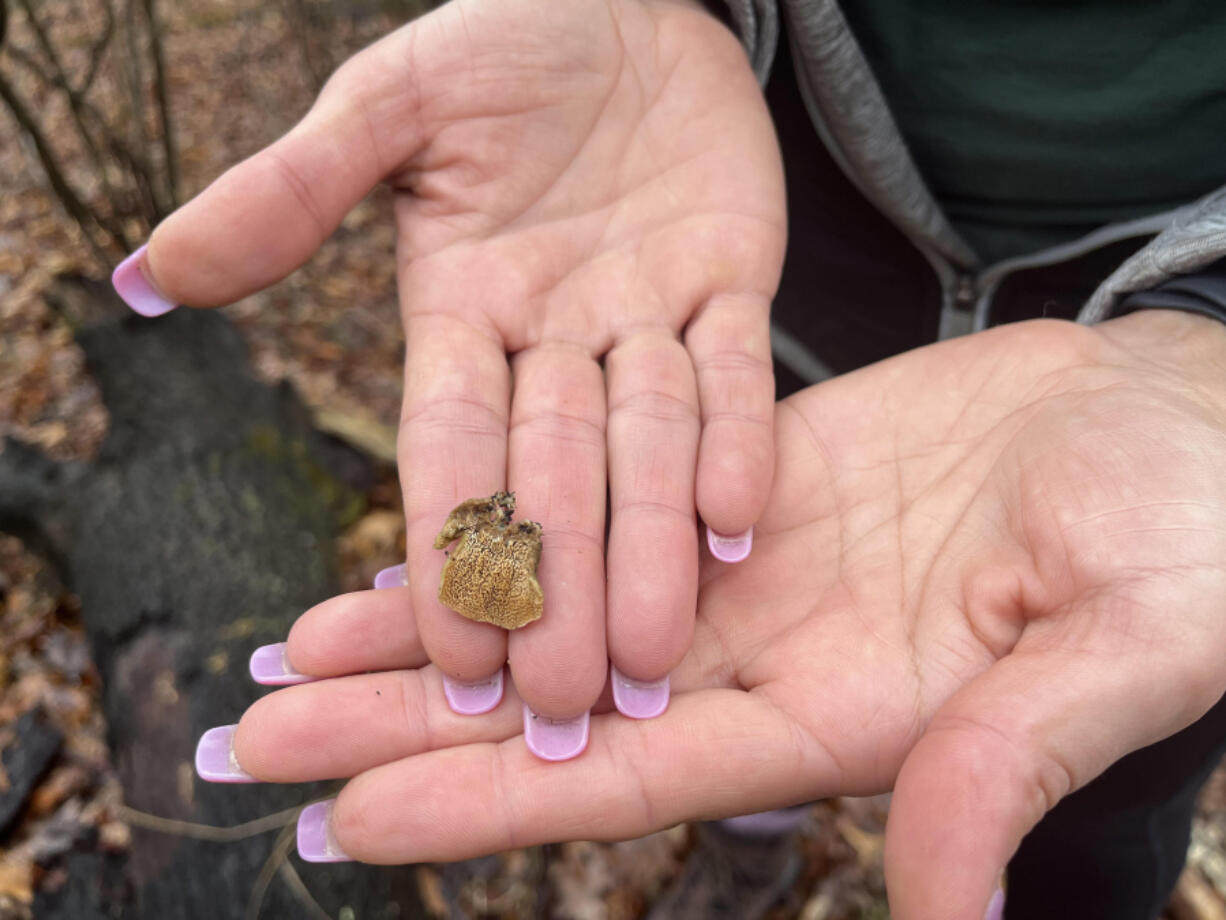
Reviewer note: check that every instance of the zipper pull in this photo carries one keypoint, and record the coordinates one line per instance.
(958, 313)
(964, 293)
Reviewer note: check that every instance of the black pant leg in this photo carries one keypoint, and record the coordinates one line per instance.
(1114, 850)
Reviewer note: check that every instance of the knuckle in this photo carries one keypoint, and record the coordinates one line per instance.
(657, 406)
(291, 178)
(466, 415)
(561, 428)
(654, 507)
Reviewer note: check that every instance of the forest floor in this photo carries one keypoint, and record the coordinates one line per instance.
(240, 74)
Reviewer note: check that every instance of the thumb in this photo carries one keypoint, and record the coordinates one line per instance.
(1003, 751)
(266, 216)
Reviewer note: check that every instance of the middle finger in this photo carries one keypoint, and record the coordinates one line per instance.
(556, 467)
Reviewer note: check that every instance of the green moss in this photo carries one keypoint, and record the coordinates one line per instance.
(271, 445)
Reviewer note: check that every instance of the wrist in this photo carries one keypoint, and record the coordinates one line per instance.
(1186, 347)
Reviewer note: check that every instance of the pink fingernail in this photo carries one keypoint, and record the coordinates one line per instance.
(555, 739)
(131, 282)
(639, 699)
(315, 840)
(215, 760)
(270, 667)
(996, 906)
(472, 699)
(730, 549)
(774, 823)
(394, 576)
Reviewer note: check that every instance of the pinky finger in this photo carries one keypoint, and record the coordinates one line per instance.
(729, 343)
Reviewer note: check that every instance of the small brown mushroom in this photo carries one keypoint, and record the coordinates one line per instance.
(491, 574)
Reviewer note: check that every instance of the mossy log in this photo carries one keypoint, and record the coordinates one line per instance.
(204, 527)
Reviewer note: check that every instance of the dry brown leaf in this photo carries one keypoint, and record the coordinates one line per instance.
(17, 878)
(64, 781)
(431, 890)
(1195, 899)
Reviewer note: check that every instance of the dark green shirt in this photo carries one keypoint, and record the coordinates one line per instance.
(1036, 121)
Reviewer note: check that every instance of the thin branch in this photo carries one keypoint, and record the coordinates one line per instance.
(170, 153)
(278, 856)
(136, 165)
(136, 88)
(298, 888)
(30, 63)
(98, 52)
(210, 832)
(77, 106)
(68, 197)
(41, 35)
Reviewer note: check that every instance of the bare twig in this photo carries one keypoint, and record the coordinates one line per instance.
(68, 197)
(306, 23)
(40, 35)
(298, 887)
(134, 165)
(277, 862)
(169, 152)
(277, 858)
(30, 63)
(98, 51)
(208, 831)
(136, 86)
(78, 108)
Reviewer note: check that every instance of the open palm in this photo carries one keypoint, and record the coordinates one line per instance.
(988, 569)
(590, 215)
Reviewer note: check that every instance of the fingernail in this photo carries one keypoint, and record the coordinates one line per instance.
(215, 760)
(639, 699)
(996, 906)
(472, 699)
(774, 823)
(270, 667)
(315, 840)
(394, 576)
(132, 284)
(730, 549)
(555, 739)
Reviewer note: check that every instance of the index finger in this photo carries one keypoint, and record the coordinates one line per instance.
(452, 447)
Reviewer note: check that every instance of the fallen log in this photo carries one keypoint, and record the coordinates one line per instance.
(202, 529)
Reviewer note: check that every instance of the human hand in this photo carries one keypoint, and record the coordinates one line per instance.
(591, 226)
(988, 569)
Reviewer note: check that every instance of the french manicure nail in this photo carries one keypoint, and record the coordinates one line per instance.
(394, 576)
(639, 699)
(555, 739)
(730, 549)
(473, 698)
(131, 282)
(996, 906)
(315, 841)
(215, 760)
(270, 667)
